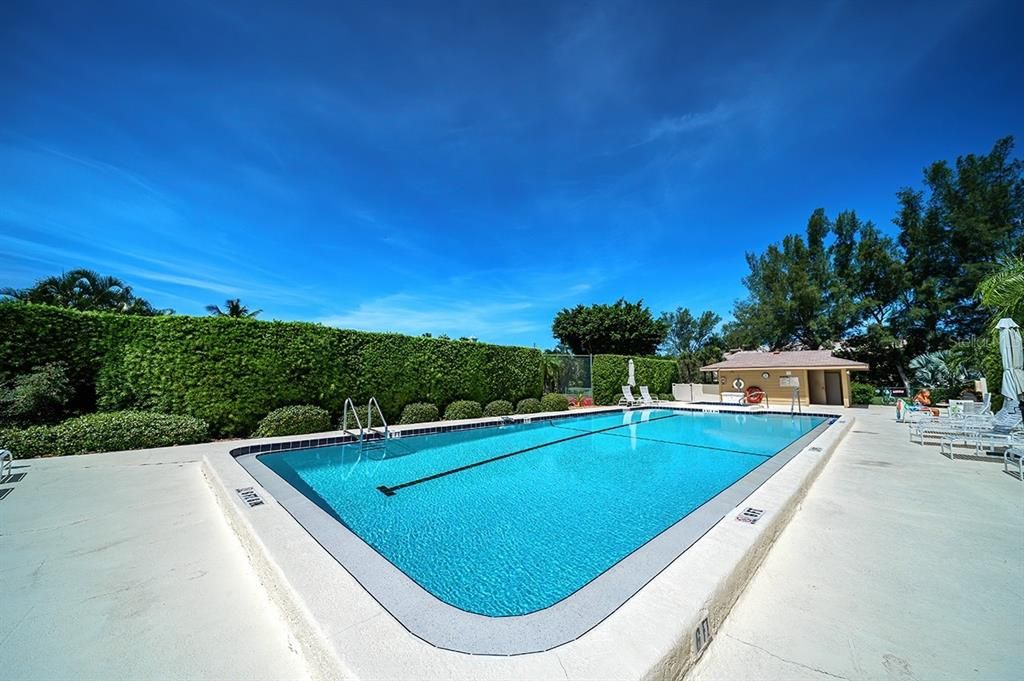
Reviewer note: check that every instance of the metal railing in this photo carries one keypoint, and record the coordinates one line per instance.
(344, 417)
(369, 417)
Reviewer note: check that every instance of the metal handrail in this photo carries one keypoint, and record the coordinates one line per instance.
(344, 417)
(369, 416)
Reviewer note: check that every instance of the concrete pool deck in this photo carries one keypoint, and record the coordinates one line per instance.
(900, 564)
(121, 566)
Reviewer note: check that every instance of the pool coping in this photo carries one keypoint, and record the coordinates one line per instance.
(561, 627)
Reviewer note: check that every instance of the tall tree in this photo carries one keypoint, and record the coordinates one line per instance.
(794, 298)
(87, 290)
(885, 300)
(687, 333)
(876, 284)
(622, 328)
(692, 340)
(955, 235)
(232, 308)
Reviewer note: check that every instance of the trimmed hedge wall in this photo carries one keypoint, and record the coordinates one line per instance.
(34, 335)
(610, 373)
(232, 372)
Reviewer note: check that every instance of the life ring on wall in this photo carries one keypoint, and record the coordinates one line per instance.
(753, 395)
(738, 384)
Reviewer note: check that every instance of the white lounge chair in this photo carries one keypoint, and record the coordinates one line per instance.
(645, 397)
(1014, 455)
(913, 418)
(987, 440)
(6, 462)
(941, 427)
(627, 398)
(1004, 430)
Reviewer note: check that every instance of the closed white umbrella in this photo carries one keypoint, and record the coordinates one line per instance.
(632, 372)
(1012, 351)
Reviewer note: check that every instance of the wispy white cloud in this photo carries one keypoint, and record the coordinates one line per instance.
(412, 314)
(180, 280)
(693, 121)
(494, 305)
(107, 168)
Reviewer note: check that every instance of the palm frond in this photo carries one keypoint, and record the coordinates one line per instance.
(1003, 291)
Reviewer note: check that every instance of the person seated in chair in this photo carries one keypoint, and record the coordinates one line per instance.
(923, 400)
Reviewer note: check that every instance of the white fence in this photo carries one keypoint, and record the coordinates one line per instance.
(696, 392)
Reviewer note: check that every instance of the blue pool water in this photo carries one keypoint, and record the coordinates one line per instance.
(522, 532)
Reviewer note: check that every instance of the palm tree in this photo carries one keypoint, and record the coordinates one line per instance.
(551, 368)
(83, 289)
(232, 308)
(1003, 291)
(942, 370)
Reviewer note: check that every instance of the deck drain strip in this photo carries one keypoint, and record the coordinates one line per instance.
(390, 490)
(673, 442)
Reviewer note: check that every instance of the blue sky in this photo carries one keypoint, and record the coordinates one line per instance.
(471, 168)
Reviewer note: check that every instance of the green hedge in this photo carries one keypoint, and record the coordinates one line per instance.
(297, 419)
(420, 412)
(105, 432)
(499, 408)
(463, 409)
(231, 372)
(861, 393)
(35, 335)
(531, 405)
(554, 402)
(610, 373)
(38, 397)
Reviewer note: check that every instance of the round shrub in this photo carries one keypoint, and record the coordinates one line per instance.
(666, 397)
(463, 409)
(499, 408)
(39, 396)
(105, 432)
(419, 412)
(531, 405)
(297, 419)
(554, 402)
(861, 393)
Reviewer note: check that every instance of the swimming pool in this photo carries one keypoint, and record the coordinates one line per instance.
(509, 521)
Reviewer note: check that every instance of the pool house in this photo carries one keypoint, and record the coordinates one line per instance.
(817, 376)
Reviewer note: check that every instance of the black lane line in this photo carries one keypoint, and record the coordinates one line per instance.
(390, 490)
(681, 444)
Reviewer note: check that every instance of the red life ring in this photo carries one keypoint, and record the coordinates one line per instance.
(753, 395)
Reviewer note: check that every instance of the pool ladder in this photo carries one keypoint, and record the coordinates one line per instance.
(370, 438)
